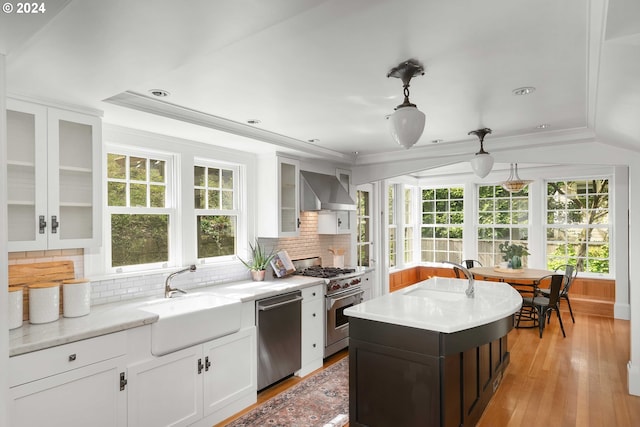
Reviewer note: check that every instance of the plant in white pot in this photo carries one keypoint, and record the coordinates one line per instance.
(259, 261)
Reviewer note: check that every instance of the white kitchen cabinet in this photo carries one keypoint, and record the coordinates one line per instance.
(73, 385)
(278, 196)
(367, 284)
(230, 373)
(199, 385)
(334, 222)
(312, 329)
(53, 177)
(166, 391)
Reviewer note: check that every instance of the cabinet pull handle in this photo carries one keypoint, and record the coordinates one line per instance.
(54, 224)
(339, 222)
(207, 364)
(72, 357)
(123, 381)
(42, 224)
(298, 222)
(200, 366)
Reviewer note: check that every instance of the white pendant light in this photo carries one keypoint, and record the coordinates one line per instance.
(406, 123)
(514, 184)
(482, 162)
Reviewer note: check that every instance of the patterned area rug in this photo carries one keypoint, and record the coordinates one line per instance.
(312, 402)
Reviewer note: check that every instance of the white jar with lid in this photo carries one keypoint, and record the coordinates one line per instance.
(76, 297)
(15, 306)
(44, 302)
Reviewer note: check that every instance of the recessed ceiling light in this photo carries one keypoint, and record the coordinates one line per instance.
(436, 141)
(527, 90)
(543, 126)
(160, 93)
(253, 121)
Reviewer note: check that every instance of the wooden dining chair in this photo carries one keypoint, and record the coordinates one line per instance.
(545, 305)
(471, 263)
(570, 272)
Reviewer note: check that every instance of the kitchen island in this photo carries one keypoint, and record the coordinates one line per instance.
(428, 355)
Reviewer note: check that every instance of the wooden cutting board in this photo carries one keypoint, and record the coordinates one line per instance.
(25, 274)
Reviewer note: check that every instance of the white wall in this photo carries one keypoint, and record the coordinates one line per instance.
(4, 321)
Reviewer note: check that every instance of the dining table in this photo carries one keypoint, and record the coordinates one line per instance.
(525, 276)
(524, 280)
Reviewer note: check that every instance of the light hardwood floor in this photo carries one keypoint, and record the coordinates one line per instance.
(577, 381)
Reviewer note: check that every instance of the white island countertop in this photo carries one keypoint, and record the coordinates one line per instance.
(440, 304)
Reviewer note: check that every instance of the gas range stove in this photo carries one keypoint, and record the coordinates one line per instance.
(336, 279)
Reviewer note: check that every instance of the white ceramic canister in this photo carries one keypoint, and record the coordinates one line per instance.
(15, 306)
(44, 302)
(76, 297)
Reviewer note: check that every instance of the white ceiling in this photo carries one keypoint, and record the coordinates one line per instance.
(314, 69)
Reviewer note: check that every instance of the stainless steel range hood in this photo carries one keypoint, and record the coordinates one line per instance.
(323, 192)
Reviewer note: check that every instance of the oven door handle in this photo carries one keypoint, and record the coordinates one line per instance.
(335, 298)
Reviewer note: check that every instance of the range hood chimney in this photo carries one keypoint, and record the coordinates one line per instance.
(323, 192)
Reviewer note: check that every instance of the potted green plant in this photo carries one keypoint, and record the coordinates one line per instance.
(513, 253)
(259, 261)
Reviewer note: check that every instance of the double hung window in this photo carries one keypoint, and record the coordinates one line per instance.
(140, 212)
(216, 209)
(503, 217)
(578, 224)
(442, 224)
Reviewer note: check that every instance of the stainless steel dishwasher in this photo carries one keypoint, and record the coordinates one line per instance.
(278, 321)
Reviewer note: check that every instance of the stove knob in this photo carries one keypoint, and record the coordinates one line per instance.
(345, 286)
(335, 287)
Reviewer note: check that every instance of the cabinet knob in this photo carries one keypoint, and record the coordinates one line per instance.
(314, 345)
(313, 294)
(314, 315)
(72, 357)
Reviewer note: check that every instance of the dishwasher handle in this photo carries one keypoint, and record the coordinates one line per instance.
(278, 304)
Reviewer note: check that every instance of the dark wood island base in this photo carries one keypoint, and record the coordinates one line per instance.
(405, 376)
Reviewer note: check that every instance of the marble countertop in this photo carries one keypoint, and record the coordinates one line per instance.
(440, 304)
(115, 317)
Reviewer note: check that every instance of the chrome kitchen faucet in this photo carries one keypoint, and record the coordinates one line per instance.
(168, 290)
(470, 289)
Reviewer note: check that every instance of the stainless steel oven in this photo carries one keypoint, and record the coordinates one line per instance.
(337, 328)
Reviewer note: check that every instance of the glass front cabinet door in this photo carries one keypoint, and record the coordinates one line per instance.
(53, 177)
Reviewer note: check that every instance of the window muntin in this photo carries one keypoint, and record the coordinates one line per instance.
(216, 207)
(503, 217)
(391, 199)
(577, 225)
(363, 220)
(409, 221)
(139, 215)
(442, 224)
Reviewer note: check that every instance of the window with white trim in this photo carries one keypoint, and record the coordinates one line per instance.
(140, 211)
(409, 221)
(503, 217)
(578, 224)
(391, 224)
(442, 224)
(216, 209)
